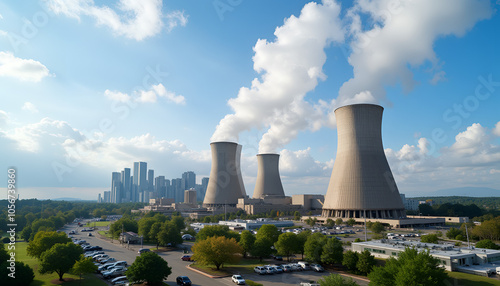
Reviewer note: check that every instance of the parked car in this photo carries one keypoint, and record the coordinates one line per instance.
(183, 280)
(117, 280)
(142, 250)
(97, 256)
(186, 257)
(106, 260)
(286, 268)
(238, 280)
(90, 234)
(259, 270)
(187, 236)
(92, 253)
(305, 265)
(317, 268)
(117, 271)
(105, 267)
(269, 269)
(277, 269)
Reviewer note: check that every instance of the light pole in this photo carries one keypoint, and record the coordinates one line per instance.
(141, 241)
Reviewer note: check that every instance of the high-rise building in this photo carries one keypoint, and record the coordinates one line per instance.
(126, 185)
(188, 180)
(151, 179)
(190, 196)
(107, 196)
(116, 186)
(177, 190)
(201, 189)
(99, 198)
(140, 182)
(160, 187)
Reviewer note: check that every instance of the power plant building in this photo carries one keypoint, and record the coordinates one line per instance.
(268, 182)
(361, 184)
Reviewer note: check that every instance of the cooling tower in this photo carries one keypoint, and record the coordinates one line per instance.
(268, 177)
(361, 180)
(225, 185)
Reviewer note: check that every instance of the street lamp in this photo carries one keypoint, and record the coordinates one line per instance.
(141, 240)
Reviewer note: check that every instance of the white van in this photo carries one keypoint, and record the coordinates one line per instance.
(305, 265)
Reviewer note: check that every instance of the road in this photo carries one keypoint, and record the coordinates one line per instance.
(179, 267)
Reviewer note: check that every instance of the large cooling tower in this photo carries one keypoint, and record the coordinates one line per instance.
(225, 185)
(268, 177)
(361, 180)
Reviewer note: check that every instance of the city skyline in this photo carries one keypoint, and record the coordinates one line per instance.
(87, 92)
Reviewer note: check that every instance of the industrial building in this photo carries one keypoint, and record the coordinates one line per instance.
(475, 260)
(361, 184)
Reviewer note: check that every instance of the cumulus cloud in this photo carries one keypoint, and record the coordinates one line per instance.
(22, 69)
(301, 163)
(53, 153)
(496, 130)
(471, 159)
(402, 36)
(4, 117)
(28, 106)
(291, 66)
(136, 20)
(146, 96)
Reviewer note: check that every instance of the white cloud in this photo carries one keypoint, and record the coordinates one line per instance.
(496, 130)
(291, 66)
(146, 96)
(117, 96)
(4, 117)
(401, 36)
(25, 70)
(300, 163)
(438, 77)
(471, 160)
(136, 20)
(28, 106)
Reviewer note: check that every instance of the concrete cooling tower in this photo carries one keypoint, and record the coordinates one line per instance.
(225, 185)
(361, 181)
(268, 177)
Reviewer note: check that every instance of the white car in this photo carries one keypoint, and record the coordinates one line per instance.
(118, 280)
(317, 268)
(260, 270)
(238, 280)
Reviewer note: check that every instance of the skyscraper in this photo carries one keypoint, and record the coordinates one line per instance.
(160, 187)
(126, 185)
(140, 180)
(188, 180)
(116, 187)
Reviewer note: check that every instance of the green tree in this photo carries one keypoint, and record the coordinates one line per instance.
(44, 240)
(301, 241)
(154, 231)
(149, 267)
(339, 221)
(26, 233)
(216, 230)
(296, 215)
(24, 274)
(486, 243)
(336, 280)
(429, 238)
(286, 244)
(125, 223)
(410, 268)
(350, 260)
(84, 266)
(351, 222)
(453, 232)
(366, 262)
(169, 234)
(311, 221)
(313, 247)
(377, 227)
(216, 250)
(261, 248)
(269, 231)
(179, 222)
(333, 251)
(145, 224)
(330, 223)
(247, 240)
(60, 258)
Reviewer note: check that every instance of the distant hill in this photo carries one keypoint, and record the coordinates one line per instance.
(465, 192)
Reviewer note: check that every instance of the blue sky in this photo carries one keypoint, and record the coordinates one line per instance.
(89, 87)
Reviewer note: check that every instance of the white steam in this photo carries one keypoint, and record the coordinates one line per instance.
(291, 67)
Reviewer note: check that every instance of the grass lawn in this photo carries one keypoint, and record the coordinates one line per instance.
(98, 223)
(464, 279)
(46, 279)
(245, 266)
